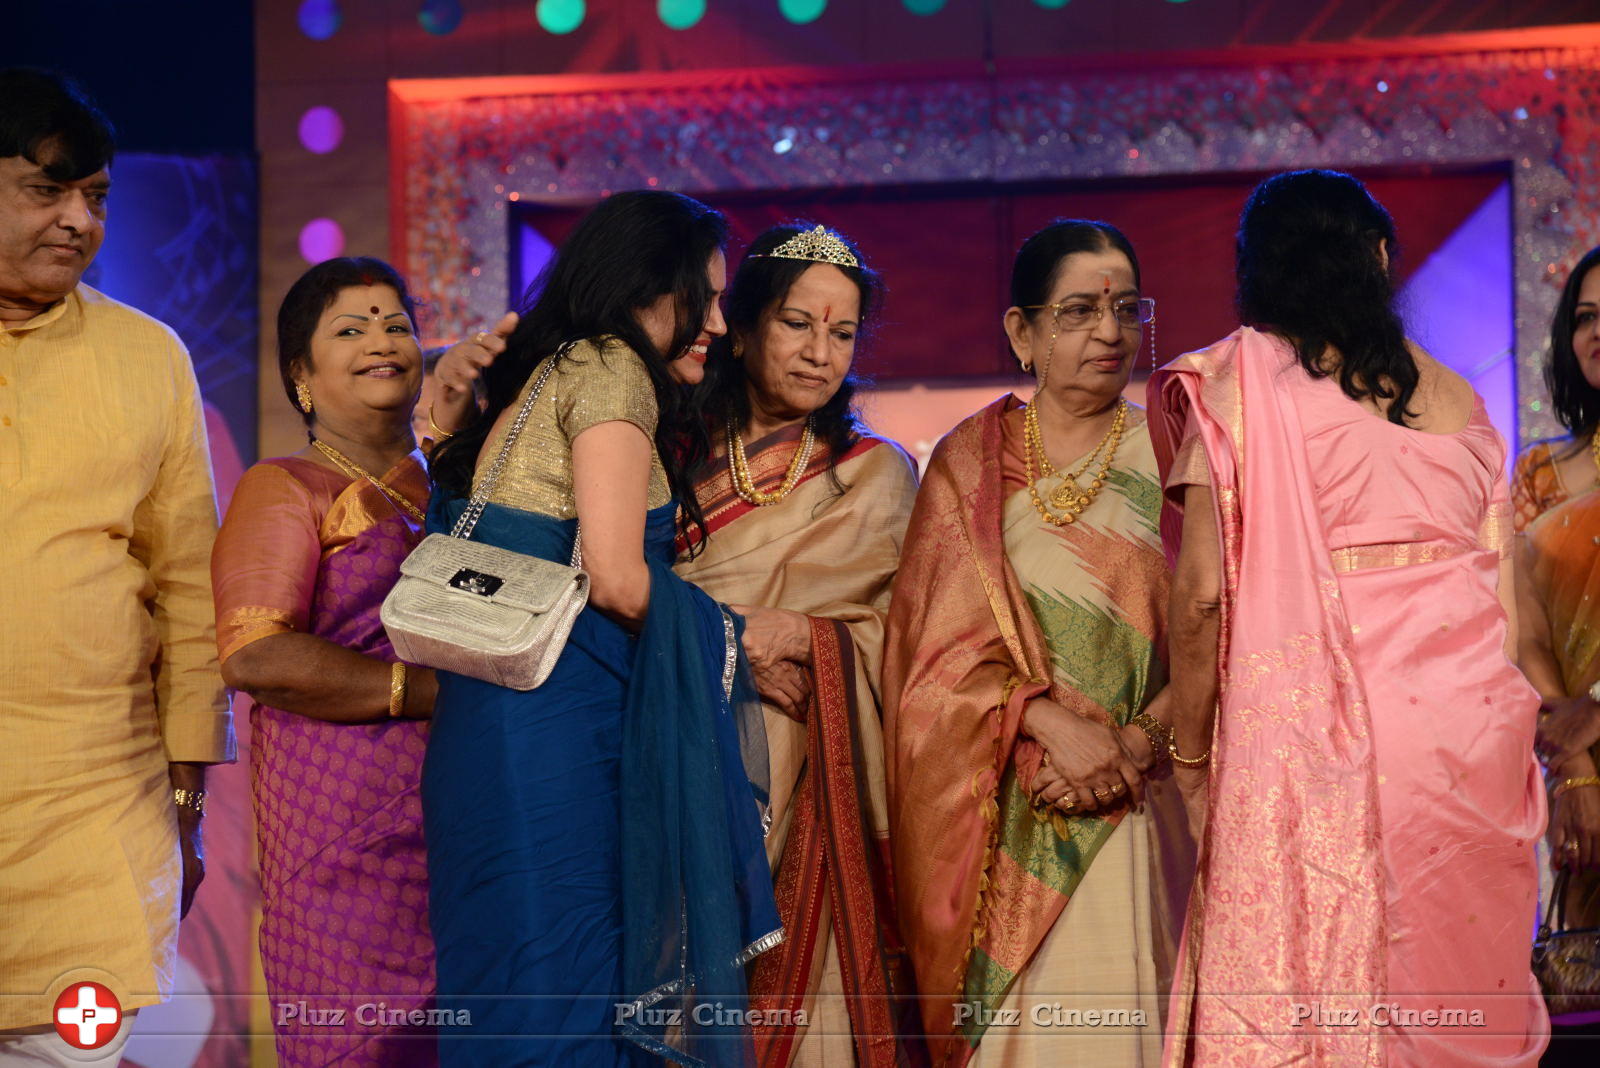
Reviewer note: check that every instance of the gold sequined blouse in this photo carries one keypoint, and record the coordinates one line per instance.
(597, 382)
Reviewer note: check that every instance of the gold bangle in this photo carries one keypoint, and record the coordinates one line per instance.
(1159, 733)
(397, 689)
(193, 800)
(1573, 784)
(1189, 762)
(439, 433)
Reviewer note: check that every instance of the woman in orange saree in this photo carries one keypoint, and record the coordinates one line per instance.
(806, 511)
(1556, 506)
(1025, 657)
(1366, 884)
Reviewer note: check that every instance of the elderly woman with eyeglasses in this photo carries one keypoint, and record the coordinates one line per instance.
(1041, 851)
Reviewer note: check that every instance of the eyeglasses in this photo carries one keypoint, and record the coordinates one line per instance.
(1080, 315)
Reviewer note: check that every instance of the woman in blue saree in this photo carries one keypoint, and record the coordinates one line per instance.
(595, 845)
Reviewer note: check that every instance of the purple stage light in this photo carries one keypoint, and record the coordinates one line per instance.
(320, 239)
(321, 130)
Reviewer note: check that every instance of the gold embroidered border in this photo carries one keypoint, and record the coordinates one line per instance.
(248, 624)
(1391, 554)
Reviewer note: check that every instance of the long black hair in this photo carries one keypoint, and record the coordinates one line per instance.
(1577, 403)
(759, 286)
(314, 293)
(1309, 267)
(629, 251)
(1039, 260)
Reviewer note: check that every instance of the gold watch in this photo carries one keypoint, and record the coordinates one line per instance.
(193, 800)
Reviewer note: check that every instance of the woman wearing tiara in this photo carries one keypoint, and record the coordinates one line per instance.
(1041, 853)
(806, 510)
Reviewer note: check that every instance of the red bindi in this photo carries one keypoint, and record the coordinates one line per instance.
(1107, 281)
(374, 309)
(827, 314)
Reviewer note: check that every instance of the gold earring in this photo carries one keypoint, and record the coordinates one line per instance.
(303, 393)
(738, 348)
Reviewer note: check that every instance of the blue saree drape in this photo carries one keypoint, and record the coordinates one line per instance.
(597, 876)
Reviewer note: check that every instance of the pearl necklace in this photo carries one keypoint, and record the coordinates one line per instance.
(1070, 496)
(739, 468)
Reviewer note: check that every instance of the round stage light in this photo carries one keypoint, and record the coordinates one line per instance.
(320, 239)
(560, 16)
(680, 14)
(801, 12)
(439, 17)
(321, 130)
(1051, 5)
(319, 19)
(924, 7)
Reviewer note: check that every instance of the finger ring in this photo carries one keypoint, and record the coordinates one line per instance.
(1571, 847)
(1098, 790)
(477, 338)
(1069, 800)
(1119, 789)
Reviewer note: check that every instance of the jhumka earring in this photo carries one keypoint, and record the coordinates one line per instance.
(303, 395)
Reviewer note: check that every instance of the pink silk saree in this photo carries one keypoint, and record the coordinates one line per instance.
(1366, 884)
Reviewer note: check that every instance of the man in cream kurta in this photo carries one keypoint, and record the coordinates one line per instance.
(109, 692)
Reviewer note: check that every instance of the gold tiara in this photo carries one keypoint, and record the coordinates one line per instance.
(819, 245)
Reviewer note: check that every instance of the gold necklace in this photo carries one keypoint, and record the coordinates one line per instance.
(355, 470)
(1070, 496)
(1594, 450)
(739, 468)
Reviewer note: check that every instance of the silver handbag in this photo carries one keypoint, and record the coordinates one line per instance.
(480, 610)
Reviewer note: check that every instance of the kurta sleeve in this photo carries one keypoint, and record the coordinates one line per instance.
(604, 384)
(265, 564)
(173, 531)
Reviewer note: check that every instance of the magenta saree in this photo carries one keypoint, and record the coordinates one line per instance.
(1366, 886)
(344, 897)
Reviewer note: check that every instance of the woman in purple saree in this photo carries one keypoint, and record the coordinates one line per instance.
(310, 547)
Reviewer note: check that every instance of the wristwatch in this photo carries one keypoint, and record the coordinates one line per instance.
(193, 800)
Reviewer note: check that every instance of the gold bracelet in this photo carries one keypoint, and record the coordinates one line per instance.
(1573, 784)
(1188, 762)
(193, 800)
(439, 433)
(397, 689)
(1159, 733)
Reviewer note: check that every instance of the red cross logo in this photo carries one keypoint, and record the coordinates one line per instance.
(87, 1015)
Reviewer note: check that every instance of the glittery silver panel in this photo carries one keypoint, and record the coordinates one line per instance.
(1538, 111)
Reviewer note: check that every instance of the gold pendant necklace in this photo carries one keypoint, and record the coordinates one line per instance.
(355, 470)
(739, 468)
(1594, 450)
(1070, 498)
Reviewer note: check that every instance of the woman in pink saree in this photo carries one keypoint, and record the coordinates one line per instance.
(1358, 742)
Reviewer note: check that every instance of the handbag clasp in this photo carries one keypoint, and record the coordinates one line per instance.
(476, 582)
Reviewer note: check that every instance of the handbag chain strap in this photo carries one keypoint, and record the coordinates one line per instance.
(468, 520)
